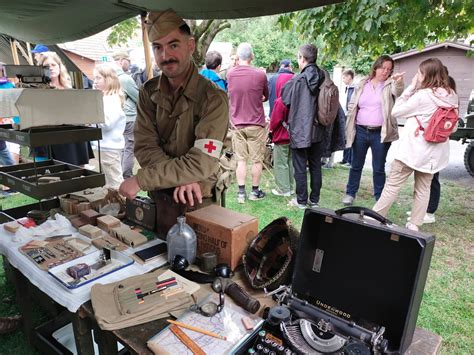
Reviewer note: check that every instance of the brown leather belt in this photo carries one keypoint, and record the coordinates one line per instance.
(371, 128)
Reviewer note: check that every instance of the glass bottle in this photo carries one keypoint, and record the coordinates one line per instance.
(181, 240)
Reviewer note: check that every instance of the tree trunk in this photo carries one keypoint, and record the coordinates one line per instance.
(204, 34)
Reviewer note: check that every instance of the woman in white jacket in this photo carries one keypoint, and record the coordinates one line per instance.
(112, 142)
(429, 90)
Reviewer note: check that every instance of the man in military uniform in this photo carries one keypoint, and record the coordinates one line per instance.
(182, 120)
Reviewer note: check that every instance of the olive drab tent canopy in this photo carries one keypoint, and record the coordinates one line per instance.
(58, 21)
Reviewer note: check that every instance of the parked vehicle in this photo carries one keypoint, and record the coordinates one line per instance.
(465, 133)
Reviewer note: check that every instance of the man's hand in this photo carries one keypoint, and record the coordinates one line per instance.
(398, 76)
(129, 188)
(184, 194)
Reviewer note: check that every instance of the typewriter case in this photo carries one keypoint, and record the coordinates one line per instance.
(362, 270)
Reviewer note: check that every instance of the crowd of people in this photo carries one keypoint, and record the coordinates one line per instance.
(180, 154)
(371, 108)
(175, 125)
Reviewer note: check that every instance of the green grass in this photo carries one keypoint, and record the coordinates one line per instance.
(447, 307)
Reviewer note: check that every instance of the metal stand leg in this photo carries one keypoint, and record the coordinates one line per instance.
(24, 304)
(82, 334)
(106, 341)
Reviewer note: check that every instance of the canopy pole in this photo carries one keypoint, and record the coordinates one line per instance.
(16, 60)
(30, 55)
(24, 53)
(146, 48)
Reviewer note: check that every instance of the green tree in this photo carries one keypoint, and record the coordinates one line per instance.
(203, 32)
(382, 26)
(269, 42)
(123, 31)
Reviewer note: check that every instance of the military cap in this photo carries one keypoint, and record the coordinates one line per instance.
(161, 23)
(120, 55)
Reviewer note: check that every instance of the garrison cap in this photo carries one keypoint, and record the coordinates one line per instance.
(120, 55)
(160, 23)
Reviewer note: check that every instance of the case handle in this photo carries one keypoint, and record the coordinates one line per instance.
(363, 211)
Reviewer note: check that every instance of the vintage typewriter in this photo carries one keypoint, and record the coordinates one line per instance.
(356, 288)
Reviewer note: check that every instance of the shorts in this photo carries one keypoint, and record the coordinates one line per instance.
(249, 143)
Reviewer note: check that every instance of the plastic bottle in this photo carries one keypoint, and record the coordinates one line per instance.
(181, 240)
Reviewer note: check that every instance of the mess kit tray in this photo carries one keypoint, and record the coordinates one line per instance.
(41, 136)
(117, 261)
(48, 254)
(49, 178)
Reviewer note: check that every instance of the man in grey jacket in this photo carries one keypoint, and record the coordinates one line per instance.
(130, 90)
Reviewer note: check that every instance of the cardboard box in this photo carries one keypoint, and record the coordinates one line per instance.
(223, 231)
(41, 107)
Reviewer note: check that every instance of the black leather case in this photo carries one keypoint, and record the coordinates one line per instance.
(363, 270)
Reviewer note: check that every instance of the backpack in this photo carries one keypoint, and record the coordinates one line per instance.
(328, 101)
(440, 126)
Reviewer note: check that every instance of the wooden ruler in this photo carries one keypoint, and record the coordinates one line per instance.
(187, 340)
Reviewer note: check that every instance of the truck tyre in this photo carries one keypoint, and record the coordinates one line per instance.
(469, 158)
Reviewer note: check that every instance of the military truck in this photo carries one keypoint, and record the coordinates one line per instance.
(465, 133)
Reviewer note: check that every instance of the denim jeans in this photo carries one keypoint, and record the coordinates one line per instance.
(302, 158)
(365, 139)
(347, 156)
(435, 194)
(128, 158)
(6, 158)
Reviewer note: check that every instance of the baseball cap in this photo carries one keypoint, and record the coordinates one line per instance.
(40, 48)
(285, 62)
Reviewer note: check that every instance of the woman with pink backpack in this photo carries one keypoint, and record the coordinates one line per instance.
(430, 90)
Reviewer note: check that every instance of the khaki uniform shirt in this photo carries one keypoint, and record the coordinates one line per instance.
(192, 150)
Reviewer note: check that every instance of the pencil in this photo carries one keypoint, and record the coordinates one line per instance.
(199, 330)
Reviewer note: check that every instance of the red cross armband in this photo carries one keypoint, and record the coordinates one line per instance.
(210, 147)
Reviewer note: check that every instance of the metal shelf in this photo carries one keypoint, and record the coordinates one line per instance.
(24, 178)
(41, 136)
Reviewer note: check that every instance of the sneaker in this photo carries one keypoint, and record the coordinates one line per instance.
(347, 200)
(346, 165)
(412, 227)
(278, 193)
(240, 197)
(294, 203)
(327, 166)
(313, 205)
(256, 195)
(427, 219)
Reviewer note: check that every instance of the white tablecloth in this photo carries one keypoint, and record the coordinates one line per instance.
(46, 283)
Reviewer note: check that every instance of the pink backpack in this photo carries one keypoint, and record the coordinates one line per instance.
(440, 126)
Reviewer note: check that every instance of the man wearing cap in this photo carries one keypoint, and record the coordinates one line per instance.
(39, 48)
(130, 90)
(285, 68)
(182, 120)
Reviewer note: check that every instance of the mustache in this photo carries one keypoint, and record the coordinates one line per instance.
(170, 61)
